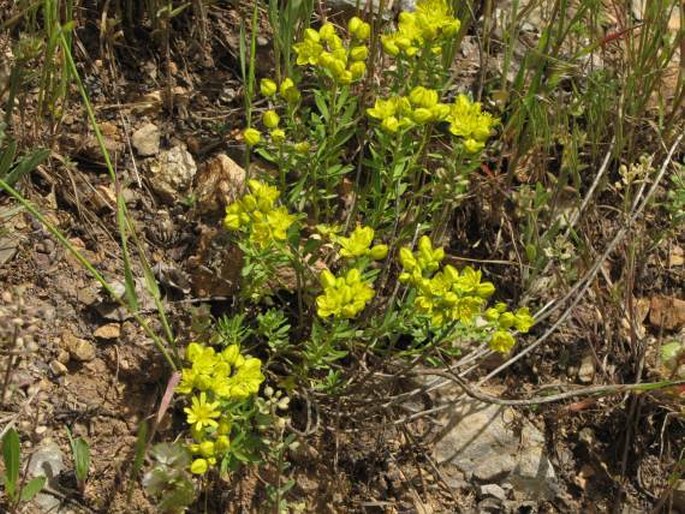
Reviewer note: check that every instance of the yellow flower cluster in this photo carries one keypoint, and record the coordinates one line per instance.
(257, 214)
(465, 117)
(343, 297)
(324, 49)
(358, 244)
(419, 107)
(502, 340)
(429, 26)
(446, 294)
(468, 121)
(218, 377)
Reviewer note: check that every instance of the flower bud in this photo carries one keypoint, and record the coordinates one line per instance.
(270, 119)
(378, 252)
(302, 147)
(199, 467)
(345, 77)
(327, 32)
(327, 279)
(407, 258)
(278, 135)
(421, 115)
(311, 35)
(222, 444)
(289, 91)
(391, 124)
(252, 136)
(357, 69)
(359, 53)
(268, 87)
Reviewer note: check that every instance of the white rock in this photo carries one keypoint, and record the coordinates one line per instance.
(586, 372)
(146, 140)
(172, 173)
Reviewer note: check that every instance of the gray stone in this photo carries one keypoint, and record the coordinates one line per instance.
(47, 461)
(146, 140)
(492, 491)
(491, 443)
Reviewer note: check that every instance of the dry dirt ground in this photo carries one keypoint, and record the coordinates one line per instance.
(76, 361)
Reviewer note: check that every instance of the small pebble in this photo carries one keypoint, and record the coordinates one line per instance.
(109, 331)
(492, 491)
(57, 368)
(63, 357)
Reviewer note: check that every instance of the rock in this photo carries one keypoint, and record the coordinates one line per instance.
(489, 505)
(492, 491)
(146, 140)
(218, 183)
(586, 372)
(57, 368)
(79, 349)
(482, 442)
(679, 495)
(667, 312)
(47, 461)
(172, 173)
(108, 331)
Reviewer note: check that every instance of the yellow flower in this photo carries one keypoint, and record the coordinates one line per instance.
(308, 51)
(501, 341)
(279, 221)
(247, 379)
(343, 296)
(523, 320)
(252, 136)
(357, 244)
(382, 109)
(202, 413)
(469, 122)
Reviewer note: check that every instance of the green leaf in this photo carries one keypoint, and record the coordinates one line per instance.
(32, 488)
(141, 447)
(27, 164)
(10, 455)
(81, 458)
(81, 453)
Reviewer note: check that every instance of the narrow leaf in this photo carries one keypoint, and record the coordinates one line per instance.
(10, 455)
(32, 488)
